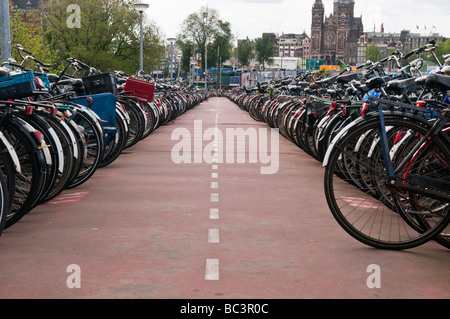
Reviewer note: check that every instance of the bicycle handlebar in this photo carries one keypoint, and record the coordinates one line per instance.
(21, 48)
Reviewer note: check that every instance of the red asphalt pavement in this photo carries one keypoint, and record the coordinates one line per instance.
(146, 227)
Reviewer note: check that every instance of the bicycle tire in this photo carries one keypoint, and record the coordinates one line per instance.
(30, 181)
(119, 142)
(53, 147)
(151, 119)
(137, 124)
(69, 152)
(94, 147)
(4, 202)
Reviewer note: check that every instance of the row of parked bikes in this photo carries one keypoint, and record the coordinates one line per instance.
(57, 130)
(382, 137)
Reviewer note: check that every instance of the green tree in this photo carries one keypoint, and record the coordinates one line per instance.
(373, 52)
(187, 49)
(221, 46)
(265, 50)
(108, 37)
(205, 25)
(28, 32)
(442, 48)
(245, 50)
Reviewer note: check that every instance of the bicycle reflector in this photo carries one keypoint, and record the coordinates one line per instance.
(30, 109)
(333, 108)
(37, 137)
(54, 111)
(399, 137)
(364, 109)
(39, 83)
(421, 103)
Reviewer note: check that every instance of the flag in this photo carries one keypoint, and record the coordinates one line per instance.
(425, 27)
(417, 27)
(434, 27)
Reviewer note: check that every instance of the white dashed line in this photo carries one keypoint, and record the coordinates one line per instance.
(212, 265)
(214, 213)
(212, 269)
(213, 236)
(214, 197)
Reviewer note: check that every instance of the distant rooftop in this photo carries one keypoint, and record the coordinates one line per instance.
(26, 4)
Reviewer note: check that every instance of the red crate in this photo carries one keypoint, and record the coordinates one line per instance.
(141, 89)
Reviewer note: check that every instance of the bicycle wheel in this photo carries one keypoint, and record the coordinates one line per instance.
(32, 177)
(8, 170)
(151, 119)
(137, 124)
(53, 148)
(4, 202)
(118, 142)
(429, 169)
(70, 155)
(369, 218)
(94, 148)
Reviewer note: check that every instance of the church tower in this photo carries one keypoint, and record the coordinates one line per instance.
(318, 12)
(344, 14)
(335, 37)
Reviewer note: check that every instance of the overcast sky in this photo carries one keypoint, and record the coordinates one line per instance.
(251, 18)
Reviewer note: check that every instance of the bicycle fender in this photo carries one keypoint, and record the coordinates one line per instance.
(373, 116)
(44, 146)
(11, 152)
(336, 139)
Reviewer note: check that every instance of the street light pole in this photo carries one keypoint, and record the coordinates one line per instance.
(5, 30)
(171, 62)
(206, 49)
(140, 7)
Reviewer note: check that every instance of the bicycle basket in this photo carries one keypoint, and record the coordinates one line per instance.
(23, 85)
(104, 105)
(143, 90)
(100, 83)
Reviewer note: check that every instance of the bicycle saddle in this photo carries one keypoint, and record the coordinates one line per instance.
(400, 85)
(52, 78)
(327, 81)
(4, 72)
(346, 78)
(71, 81)
(446, 70)
(375, 82)
(303, 84)
(438, 81)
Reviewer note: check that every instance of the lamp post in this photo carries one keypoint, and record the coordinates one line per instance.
(206, 48)
(5, 30)
(140, 7)
(171, 66)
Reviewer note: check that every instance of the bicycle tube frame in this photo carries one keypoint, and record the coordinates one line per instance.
(385, 146)
(436, 128)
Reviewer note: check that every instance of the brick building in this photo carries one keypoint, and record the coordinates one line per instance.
(335, 37)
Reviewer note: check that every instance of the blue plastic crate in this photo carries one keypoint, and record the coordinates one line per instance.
(22, 85)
